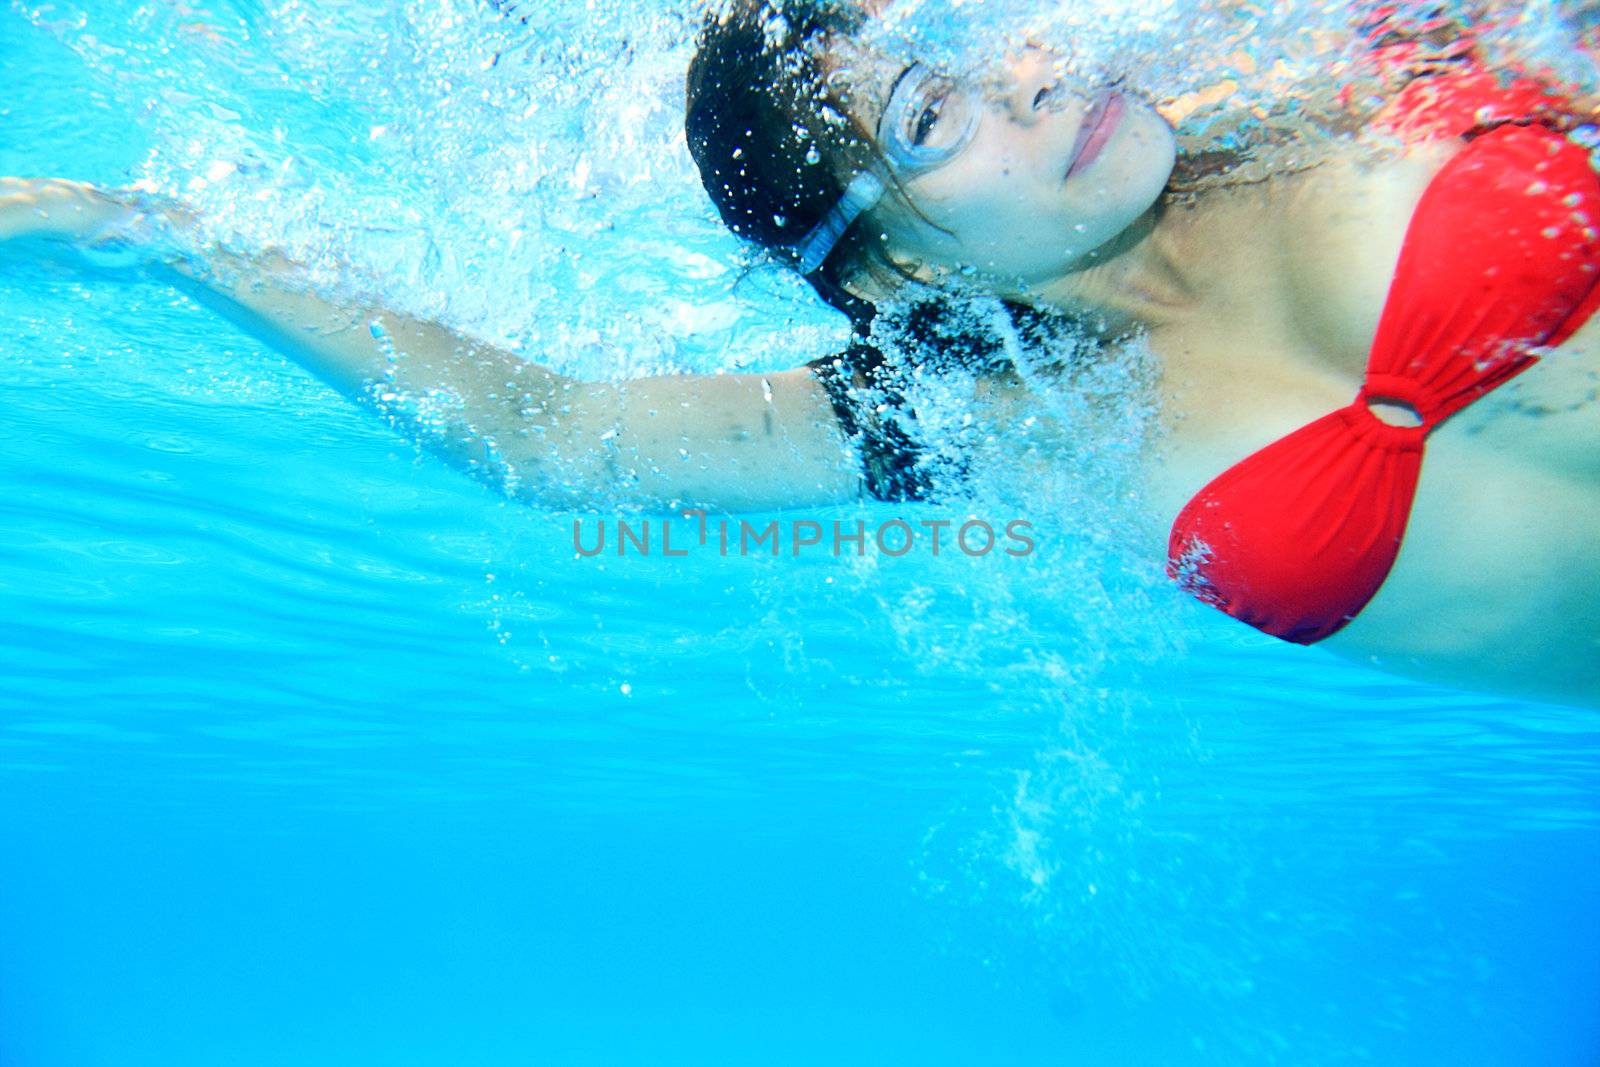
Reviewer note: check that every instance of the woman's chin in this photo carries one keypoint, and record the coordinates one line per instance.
(1132, 173)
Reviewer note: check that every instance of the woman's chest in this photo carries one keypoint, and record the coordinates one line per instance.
(1287, 337)
(1504, 535)
(1291, 281)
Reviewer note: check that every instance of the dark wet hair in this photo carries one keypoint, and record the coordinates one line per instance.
(775, 141)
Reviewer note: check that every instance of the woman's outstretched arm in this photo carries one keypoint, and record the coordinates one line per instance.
(734, 442)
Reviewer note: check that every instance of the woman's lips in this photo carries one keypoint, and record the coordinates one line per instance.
(1099, 123)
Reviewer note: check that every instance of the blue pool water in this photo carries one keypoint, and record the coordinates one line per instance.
(315, 751)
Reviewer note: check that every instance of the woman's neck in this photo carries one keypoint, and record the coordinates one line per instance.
(1149, 275)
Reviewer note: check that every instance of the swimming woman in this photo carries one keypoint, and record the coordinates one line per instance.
(1312, 332)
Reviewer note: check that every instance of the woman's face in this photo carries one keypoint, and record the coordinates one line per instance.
(1040, 176)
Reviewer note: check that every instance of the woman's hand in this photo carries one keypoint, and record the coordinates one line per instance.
(95, 229)
(59, 210)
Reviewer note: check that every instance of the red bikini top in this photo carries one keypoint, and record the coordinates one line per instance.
(1501, 257)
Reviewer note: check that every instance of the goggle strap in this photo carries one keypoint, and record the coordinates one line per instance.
(863, 192)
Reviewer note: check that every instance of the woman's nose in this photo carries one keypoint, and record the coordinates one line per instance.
(1034, 79)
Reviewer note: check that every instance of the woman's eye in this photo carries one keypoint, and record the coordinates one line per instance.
(926, 116)
(926, 121)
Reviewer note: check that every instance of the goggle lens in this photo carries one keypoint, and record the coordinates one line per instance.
(928, 122)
